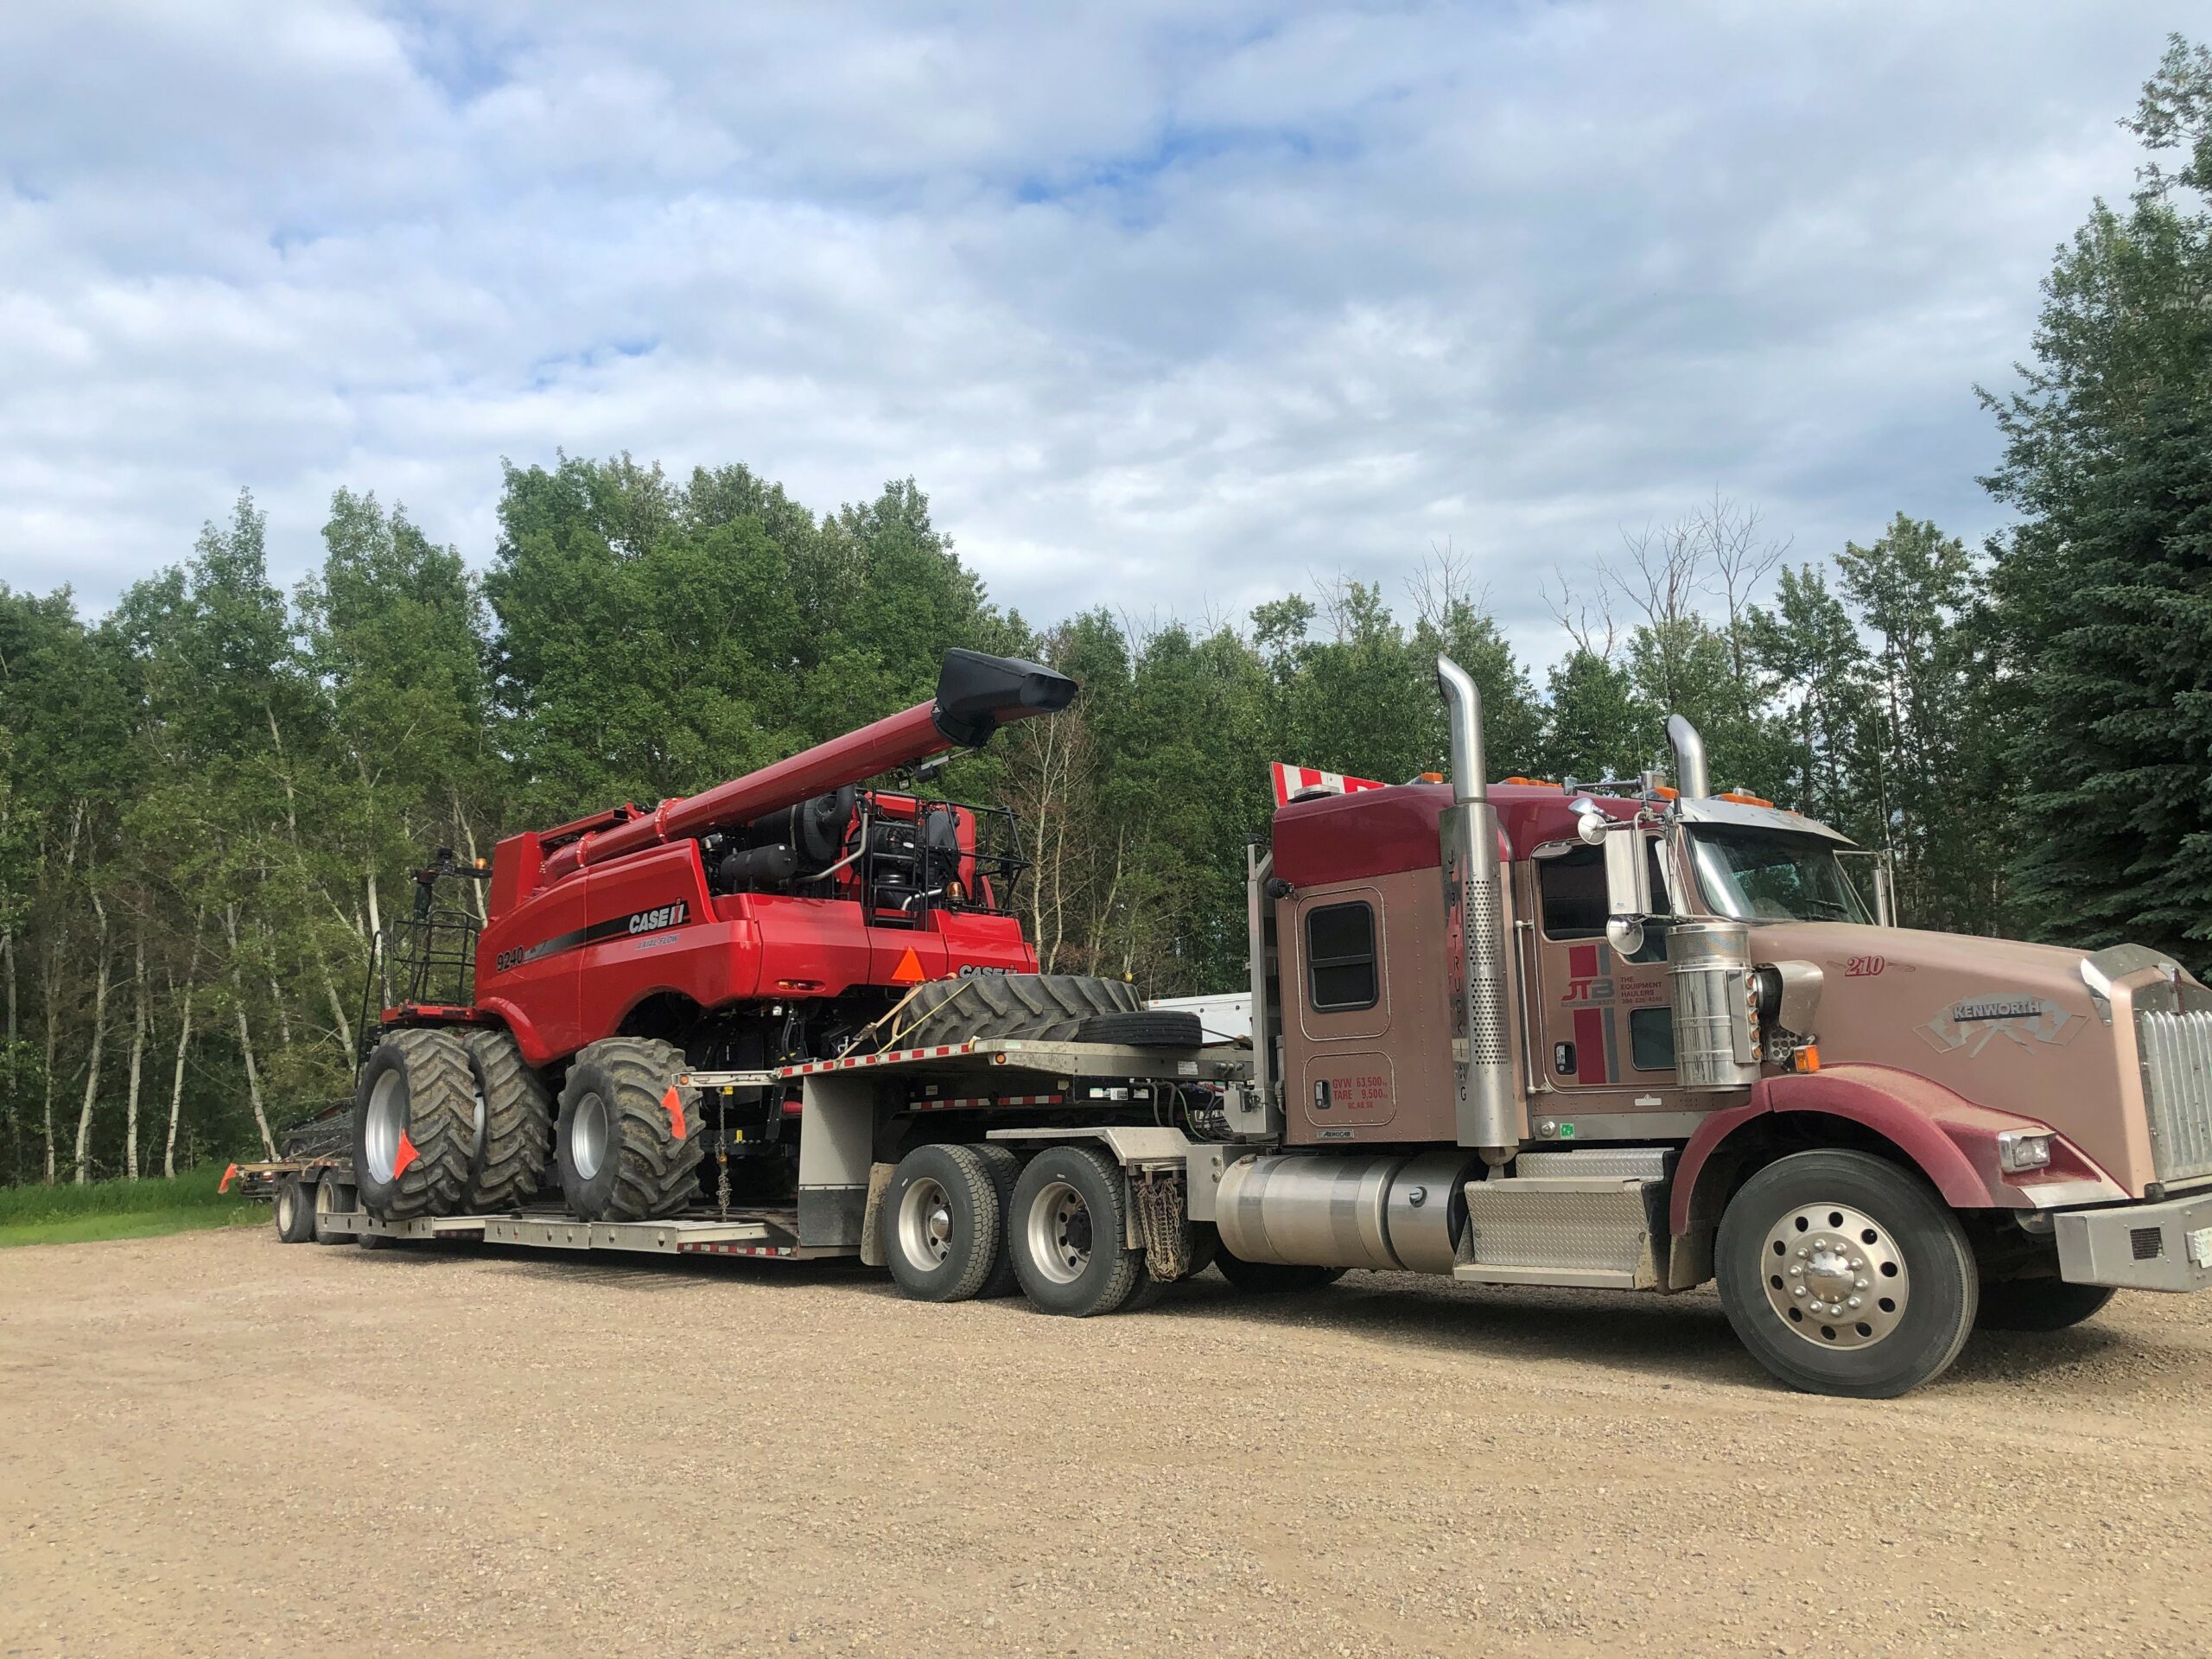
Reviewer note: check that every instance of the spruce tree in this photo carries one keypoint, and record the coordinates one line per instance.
(2101, 596)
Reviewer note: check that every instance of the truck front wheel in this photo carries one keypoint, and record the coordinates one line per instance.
(630, 1139)
(1067, 1233)
(942, 1222)
(1846, 1274)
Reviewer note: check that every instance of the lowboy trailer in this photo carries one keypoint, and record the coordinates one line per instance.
(1625, 1036)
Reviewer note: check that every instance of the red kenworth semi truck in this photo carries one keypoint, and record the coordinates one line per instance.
(1623, 1036)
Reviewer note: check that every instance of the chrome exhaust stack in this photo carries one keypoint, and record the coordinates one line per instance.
(1488, 1107)
(1690, 776)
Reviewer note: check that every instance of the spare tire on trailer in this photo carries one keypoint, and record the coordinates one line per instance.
(514, 1138)
(1041, 1007)
(1144, 1028)
(630, 1137)
(414, 1126)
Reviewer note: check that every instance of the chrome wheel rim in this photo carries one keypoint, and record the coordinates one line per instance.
(384, 1124)
(1059, 1233)
(1835, 1276)
(588, 1135)
(926, 1224)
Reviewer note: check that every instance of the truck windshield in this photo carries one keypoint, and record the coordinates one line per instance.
(1762, 875)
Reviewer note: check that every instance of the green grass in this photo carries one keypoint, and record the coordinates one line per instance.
(64, 1214)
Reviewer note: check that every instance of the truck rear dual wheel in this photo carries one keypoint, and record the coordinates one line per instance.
(1067, 1233)
(1845, 1274)
(414, 1126)
(629, 1139)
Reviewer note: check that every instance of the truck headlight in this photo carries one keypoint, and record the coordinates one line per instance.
(2021, 1150)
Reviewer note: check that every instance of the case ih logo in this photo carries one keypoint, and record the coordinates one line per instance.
(638, 921)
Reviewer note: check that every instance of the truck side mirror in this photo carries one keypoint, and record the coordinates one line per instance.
(1628, 890)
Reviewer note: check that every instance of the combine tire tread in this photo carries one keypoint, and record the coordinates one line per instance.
(441, 1126)
(648, 1173)
(1038, 1008)
(518, 1146)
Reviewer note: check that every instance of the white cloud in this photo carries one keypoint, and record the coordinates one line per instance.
(1156, 308)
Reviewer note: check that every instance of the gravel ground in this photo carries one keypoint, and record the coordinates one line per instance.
(213, 1444)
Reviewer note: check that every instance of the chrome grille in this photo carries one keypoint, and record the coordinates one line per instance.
(2177, 1070)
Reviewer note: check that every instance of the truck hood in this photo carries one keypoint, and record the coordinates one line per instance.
(2000, 1023)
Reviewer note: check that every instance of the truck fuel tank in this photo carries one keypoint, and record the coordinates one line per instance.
(1329, 1210)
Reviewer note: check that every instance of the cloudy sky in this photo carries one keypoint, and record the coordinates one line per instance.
(1167, 307)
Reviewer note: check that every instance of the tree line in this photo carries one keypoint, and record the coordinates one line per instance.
(212, 796)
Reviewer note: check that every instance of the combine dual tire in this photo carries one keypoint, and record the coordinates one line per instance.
(514, 1115)
(629, 1140)
(414, 1126)
(1039, 1007)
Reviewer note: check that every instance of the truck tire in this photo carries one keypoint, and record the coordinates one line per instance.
(1067, 1231)
(943, 1223)
(293, 1216)
(326, 1204)
(1271, 1278)
(1144, 1028)
(1006, 1170)
(2038, 1304)
(1040, 1007)
(1845, 1274)
(629, 1142)
(514, 1141)
(414, 1126)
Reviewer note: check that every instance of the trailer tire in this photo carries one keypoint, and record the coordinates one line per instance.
(514, 1141)
(1037, 1007)
(2038, 1304)
(1067, 1233)
(629, 1140)
(943, 1223)
(1271, 1278)
(295, 1219)
(1851, 1226)
(326, 1204)
(1006, 1170)
(414, 1126)
(1144, 1028)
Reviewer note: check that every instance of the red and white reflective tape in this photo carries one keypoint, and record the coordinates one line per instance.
(970, 1101)
(736, 1249)
(814, 1067)
(1298, 780)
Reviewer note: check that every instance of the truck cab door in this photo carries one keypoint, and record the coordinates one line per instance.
(1604, 1026)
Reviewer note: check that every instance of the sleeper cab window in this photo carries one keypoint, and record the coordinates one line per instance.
(1340, 956)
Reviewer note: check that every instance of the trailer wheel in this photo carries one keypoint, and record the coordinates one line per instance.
(1845, 1274)
(1042, 1007)
(2039, 1304)
(326, 1204)
(943, 1223)
(514, 1141)
(295, 1220)
(629, 1140)
(1271, 1278)
(1006, 1170)
(1067, 1233)
(414, 1126)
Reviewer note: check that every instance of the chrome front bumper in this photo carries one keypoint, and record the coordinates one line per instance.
(2139, 1246)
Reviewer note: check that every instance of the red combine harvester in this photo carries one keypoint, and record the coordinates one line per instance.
(773, 919)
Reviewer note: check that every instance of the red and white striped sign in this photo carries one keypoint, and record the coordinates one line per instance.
(1300, 780)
